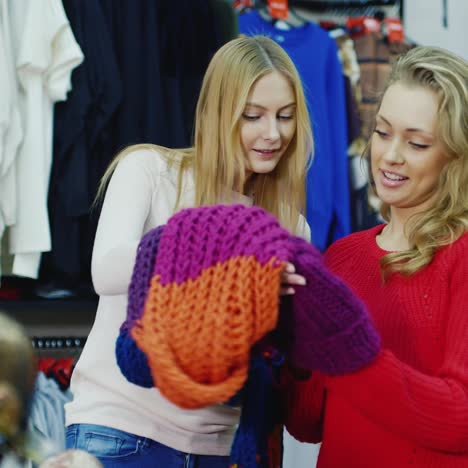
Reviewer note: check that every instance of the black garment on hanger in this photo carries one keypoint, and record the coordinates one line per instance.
(163, 49)
(139, 83)
(79, 142)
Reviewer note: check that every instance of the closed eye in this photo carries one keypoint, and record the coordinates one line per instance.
(285, 117)
(381, 133)
(250, 117)
(418, 145)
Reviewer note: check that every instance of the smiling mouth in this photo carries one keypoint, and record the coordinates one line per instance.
(393, 177)
(266, 151)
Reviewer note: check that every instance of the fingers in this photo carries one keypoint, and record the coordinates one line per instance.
(293, 279)
(286, 291)
(289, 279)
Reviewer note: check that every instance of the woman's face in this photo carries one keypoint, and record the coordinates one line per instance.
(406, 154)
(268, 122)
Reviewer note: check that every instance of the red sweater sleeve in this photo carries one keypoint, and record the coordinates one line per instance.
(431, 410)
(304, 407)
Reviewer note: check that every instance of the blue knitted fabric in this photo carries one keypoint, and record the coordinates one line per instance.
(258, 417)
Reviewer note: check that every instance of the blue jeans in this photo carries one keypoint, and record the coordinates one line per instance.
(116, 449)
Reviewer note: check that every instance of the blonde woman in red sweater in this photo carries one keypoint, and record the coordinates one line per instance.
(410, 406)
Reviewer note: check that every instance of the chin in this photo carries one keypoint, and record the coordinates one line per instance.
(264, 168)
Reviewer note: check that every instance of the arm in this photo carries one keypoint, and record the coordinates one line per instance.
(121, 224)
(304, 401)
(332, 330)
(430, 410)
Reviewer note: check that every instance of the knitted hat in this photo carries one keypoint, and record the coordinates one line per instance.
(216, 278)
(205, 289)
(214, 293)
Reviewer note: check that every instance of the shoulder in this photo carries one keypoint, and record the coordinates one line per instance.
(143, 156)
(450, 265)
(356, 239)
(149, 160)
(455, 253)
(354, 246)
(461, 244)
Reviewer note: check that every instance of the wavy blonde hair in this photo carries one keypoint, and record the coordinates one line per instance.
(445, 74)
(217, 157)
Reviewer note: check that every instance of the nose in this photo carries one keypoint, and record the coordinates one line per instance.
(271, 130)
(393, 154)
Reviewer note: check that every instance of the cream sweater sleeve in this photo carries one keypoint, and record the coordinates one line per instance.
(303, 229)
(126, 207)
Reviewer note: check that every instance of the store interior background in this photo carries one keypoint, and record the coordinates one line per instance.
(426, 22)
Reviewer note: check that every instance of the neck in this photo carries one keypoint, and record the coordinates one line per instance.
(249, 183)
(395, 236)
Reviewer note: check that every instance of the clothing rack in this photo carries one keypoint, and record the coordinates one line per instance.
(343, 8)
(56, 328)
(332, 4)
(349, 7)
(58, 349)
(58, 342)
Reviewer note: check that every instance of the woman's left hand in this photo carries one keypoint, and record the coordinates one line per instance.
(289, 279)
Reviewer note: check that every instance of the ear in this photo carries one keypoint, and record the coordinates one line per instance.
(10, 410)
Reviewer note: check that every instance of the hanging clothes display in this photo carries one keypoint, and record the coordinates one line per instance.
(81, 141)
(45, 53)
(375, 55)
(144, 66)
(11, 129)
(315, 55)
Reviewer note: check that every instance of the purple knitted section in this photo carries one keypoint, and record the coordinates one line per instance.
(332, 329)
(197, 238)
(141, 276)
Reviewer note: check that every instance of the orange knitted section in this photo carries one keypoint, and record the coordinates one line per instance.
(197, 336)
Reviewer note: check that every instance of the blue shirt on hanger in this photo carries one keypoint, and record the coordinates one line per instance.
(315, 55)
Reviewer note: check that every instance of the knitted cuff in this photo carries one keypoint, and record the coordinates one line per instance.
(344, 352)
(332, 330)
(213, 295)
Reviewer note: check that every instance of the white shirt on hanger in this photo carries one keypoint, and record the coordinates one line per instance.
(11, 132)
(46, 53)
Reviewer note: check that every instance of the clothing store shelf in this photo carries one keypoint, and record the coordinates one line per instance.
(52, 305)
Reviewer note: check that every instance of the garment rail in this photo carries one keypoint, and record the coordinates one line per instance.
(332, 4)
(58, 342)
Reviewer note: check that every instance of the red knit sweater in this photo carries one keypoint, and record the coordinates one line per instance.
(410, 406)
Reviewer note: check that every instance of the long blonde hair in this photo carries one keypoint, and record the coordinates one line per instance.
(216, 157)
(445, 74)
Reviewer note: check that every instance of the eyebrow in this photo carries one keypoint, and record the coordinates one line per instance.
(252, 104)
(412, 129)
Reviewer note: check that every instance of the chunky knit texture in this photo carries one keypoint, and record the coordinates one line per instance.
(204, 292)
(141, 277)
(131, 360)
(214, 293)
(331, 328)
